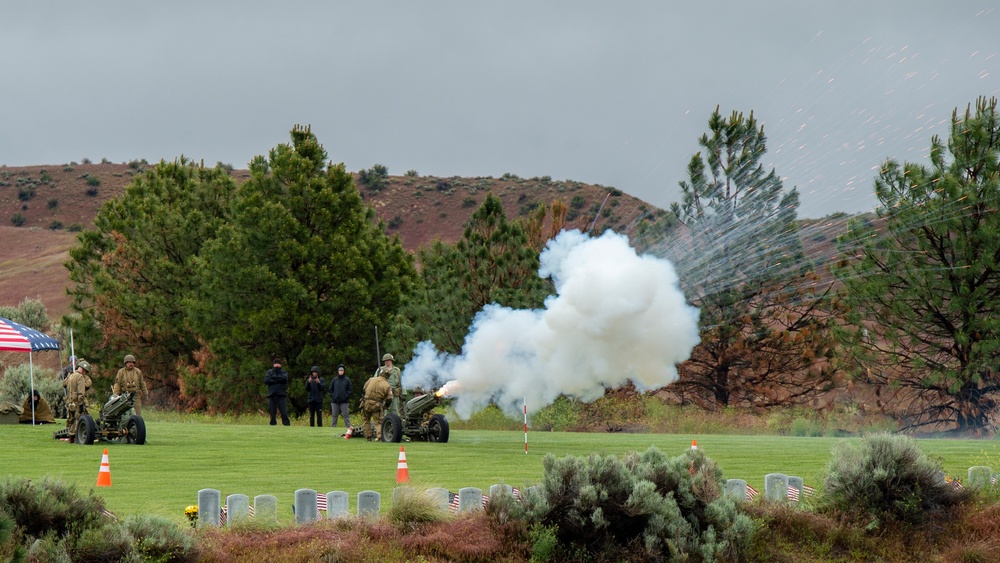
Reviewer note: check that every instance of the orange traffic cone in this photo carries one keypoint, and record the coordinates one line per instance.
(104, 476)
(694, 444)
(402, 473)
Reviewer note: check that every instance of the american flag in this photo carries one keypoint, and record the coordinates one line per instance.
(752, 493)
(320, 502)
(19, 338)
(222, 514)
(793, 493)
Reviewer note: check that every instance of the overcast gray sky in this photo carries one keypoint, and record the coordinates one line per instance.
(614, 93)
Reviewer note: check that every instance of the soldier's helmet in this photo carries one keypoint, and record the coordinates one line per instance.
(129, 358)
(82, 364)
(388, 357)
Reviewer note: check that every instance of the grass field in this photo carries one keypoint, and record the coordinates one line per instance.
(164, 476)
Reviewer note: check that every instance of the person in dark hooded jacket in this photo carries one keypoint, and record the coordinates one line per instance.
(276, 380)
(340, 396)
(315, 390)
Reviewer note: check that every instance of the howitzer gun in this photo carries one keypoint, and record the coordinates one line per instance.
(117, 422)
(417, 421)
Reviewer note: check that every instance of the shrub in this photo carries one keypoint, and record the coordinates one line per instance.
(577, 202)
(17, 219)
(55, 225)
(885, 478)
(395, 222)
(670, 508)
(48, 505)
(91, 191)
(93, 180)
(53, 203)
(469, 201)
(374, 178)
(44, 177)
(159, 539)
(412, 506)
(26, 192)
(74, 227)
(412, 173)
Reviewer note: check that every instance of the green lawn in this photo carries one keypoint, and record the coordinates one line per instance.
(164, 476)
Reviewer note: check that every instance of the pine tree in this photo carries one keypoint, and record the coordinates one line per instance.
(922, 280)
(133, 272)
(734, 241)
(302, 272)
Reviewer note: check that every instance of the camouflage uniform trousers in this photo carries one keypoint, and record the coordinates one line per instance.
(374, 417)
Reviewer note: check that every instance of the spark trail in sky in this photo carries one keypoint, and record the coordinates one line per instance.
(616, 317)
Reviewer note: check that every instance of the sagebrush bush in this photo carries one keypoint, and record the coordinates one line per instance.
(886, 477)
(159, 539)
(670, 508)
(48, 505)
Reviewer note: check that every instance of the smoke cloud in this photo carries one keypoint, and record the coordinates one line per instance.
(616, 317)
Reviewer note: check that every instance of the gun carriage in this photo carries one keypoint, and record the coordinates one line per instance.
(117, 423)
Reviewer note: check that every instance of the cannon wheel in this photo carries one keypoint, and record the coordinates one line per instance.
(392, 428)
(86, 430)
(437, 429)
(135, 430)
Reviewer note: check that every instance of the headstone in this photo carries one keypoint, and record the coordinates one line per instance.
(336, 504)
(369, 503)
(469, 499)
(796, 483)
(265, 509)
(237, 509)
(305, 506)
(737, 488)
(441, 497)
(776, 486)
(495, 490)
(209, 507)
(979, 476)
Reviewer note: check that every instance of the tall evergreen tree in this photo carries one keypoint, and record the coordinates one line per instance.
(302, 272)
(734, 241)
(495, 261)
(133, 271)
(922, 281)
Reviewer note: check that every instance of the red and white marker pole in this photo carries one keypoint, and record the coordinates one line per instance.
(525, 426)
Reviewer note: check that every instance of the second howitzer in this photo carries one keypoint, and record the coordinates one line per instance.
(117, 422)
(417, 421)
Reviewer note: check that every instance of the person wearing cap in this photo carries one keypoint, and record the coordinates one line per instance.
(315, 390)
(76, 396)
(340, 397)
(392, 374)
(130, 379)
(276, 380)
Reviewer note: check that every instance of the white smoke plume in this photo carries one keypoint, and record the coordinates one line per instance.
(616, 317)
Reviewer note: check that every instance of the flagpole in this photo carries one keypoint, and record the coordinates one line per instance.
(31, 397)
(526, 426)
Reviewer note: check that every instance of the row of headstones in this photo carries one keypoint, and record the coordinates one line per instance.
(776, 486)
(306, 507)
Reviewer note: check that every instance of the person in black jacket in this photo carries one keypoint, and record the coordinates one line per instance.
(340, 396)
(276, 380)
(315, 390)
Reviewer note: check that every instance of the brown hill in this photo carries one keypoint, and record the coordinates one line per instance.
(41, 208)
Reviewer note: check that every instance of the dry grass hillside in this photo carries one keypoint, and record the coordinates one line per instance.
(42, 208)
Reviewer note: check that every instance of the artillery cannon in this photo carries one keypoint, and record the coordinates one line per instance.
(418, 421)
(117, 423)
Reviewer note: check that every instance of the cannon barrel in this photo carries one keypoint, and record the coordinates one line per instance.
(116, 406)
(416, 407)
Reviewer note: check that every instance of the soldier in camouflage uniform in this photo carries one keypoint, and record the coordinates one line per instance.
(76, 396)
(376, 393)
(392, 374)
(130, 379)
